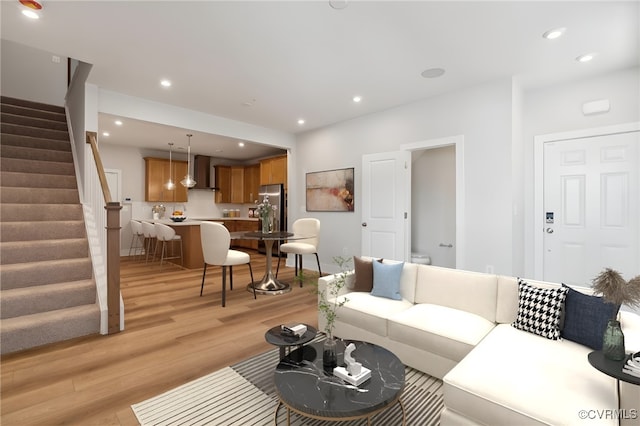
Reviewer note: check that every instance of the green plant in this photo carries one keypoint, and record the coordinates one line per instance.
(328, 303)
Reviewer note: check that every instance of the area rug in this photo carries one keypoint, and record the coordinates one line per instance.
(244, 395)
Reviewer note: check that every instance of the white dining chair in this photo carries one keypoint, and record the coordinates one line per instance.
(215, 250)
(306, 226)
(149, 232)
(167, 234)
(137, 237)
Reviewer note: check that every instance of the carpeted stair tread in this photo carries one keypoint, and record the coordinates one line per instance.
(42, 298)
(30, 121)
(34, 166)
(43, 230)
(36, 196)
(31, 112)
(47, 327)
(28, 274)
(37, 180)
(7, 100)
(18, 129)
(18, 212)
(41, 250)
(38, 154)
(33, 142)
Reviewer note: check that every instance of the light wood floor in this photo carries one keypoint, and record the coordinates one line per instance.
(172, 336)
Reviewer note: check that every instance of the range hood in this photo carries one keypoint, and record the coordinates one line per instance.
(204, 173)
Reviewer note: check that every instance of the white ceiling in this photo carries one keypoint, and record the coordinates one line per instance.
(270, 63)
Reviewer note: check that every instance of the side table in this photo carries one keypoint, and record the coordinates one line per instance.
(275, 337)
(613, 369)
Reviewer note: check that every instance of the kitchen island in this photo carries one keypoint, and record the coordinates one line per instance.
(189, 231)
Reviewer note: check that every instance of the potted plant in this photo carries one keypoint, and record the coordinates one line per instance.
(614, 289)
(328, 306)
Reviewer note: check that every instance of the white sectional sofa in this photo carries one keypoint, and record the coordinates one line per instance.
(457, 325)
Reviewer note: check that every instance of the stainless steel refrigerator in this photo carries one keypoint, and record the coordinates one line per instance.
(277, 197)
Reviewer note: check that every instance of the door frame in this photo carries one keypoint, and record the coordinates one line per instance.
(538, 179)
(458, 142)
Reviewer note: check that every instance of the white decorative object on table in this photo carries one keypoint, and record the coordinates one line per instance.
(354, 373)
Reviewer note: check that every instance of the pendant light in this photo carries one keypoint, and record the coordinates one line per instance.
(188, 181)
(170, 185)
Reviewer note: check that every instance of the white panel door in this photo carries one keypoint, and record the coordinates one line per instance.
(591, 207)
(386, 190)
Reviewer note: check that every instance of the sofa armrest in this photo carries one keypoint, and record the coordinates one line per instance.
(323, 282)
(630, 324)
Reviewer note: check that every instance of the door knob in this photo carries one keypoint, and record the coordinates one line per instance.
(549, 230)
(364, 224)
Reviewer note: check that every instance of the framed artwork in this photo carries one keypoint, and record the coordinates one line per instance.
(330, 191)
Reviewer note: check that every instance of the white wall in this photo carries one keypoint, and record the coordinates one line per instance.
(481, 114)
(433, 204)
(30, 74)
(559, 109)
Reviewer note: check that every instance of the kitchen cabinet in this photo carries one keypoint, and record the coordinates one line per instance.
(230, 184)
(273, 170)
(251, 183)
(237, 184)
(157, 173)
(223, 183)
(243, 226)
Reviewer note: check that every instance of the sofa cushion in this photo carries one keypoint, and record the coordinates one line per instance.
(464, 290)
(539, 310)
(586, 318)
(369, 312)
(386, 280)
(447, 332)
(515, 378)
(363, 269)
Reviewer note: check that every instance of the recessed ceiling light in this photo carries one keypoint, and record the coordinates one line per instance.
(357, 99)
(118, 123)
(554, 33)
(241, 144)
(165, 83)
(432, 73)
(30, 14)
(338, 4)
(301, 121)
(32, 4)
(586, 57)
(105, 133)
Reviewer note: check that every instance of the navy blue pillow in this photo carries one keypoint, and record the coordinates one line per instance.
(586, 318)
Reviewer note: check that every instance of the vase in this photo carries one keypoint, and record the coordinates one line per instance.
(329, 354)
(266, 224)
(613, 341)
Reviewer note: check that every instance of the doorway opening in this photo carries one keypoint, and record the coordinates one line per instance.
(436, 228)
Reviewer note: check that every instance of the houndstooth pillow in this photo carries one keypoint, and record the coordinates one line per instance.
(539, 310)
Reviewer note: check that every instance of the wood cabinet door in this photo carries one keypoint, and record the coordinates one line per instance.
(180, 193)
(154, 179)
(223, 182)
(251, 183)
(273, 170)
(237, 184)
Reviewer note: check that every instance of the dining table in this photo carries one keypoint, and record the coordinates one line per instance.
(269, 284)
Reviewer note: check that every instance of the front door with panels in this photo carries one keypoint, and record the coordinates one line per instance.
(591, 207)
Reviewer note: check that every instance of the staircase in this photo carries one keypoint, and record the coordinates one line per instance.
(47, 293)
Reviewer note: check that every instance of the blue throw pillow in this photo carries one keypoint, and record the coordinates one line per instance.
(586, 318)
(386, 280)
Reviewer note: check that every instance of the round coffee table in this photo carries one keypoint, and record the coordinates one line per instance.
(276, 338)
(305, 388)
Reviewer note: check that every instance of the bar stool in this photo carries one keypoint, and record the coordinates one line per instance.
(137, 237)
(149, 232)
(167, 234)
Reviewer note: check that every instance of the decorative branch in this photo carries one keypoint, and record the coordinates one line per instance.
(616, 290)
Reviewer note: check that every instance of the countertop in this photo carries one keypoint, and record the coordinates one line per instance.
(197, 220)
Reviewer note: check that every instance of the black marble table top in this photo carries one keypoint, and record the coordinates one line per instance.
(303, 385)
(275, 337)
